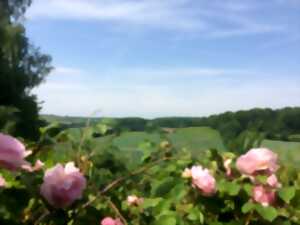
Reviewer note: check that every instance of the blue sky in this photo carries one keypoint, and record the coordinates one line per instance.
(155, 58)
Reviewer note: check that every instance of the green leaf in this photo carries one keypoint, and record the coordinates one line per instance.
(163, 187)
(166, 220)
(261, 179)
(248, 207)
(287, 194)
(193, 214)
(151, 202)
(178, 192)
(44, 130)
(146, 148)
(248, 188)
(269, 213)
(231, 188)
(103, 128)
(201, 218)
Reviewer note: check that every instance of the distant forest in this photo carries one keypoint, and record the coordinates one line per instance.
(281, 124)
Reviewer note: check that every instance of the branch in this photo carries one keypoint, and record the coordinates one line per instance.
(123, 178)
(42, 217)
(117, 211)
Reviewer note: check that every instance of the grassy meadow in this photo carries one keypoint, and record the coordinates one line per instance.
(193, 139)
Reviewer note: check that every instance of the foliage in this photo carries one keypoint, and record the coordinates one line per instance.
(155, 175)
(236, 128)
(22, 67)
(8, 119)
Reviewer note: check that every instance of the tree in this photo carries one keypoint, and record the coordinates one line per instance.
(22, 67)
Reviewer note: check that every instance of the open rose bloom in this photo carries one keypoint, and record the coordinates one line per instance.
(111, 221)
(63, 185)
(257, 160)
(203, 180)
(12, 153)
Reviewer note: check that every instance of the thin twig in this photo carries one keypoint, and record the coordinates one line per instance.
(117, 211)
(248, 219)
(123, 178)
(42, 217)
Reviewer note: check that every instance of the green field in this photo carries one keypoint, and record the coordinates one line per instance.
(194, 139)
(289, 152)
(197, 139)
(131, 140)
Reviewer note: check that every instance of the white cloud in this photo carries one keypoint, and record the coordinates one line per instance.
(179, 72)
(131, 97)
(158, 13)
(207, 17)
(66, 71)
(160, 101)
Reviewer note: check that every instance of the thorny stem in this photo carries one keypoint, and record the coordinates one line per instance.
(123, 178)
(42, 217)
(117, 211)
(248, 219)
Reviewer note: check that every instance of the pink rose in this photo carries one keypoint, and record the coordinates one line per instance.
(263, 195)
(111, 221)
(37, 166)
(2, 182)
(255, 160)
(272, 181)
(63, 185)
(12, 153)
(203, 180)
(134, 200)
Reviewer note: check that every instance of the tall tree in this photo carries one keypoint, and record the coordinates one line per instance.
(22, 67)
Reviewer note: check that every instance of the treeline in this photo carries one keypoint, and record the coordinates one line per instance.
(238, 129)
(22, 67)
(277, 124)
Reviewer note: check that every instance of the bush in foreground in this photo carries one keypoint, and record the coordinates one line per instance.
(164, 186)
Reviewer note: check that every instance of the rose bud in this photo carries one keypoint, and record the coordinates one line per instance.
(134, 200)
(63, 185)
(272, 181)
(187, 173)
(37, 166)
(203, 180)
(226, 164)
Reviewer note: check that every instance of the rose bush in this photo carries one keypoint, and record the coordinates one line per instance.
(158, 184)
